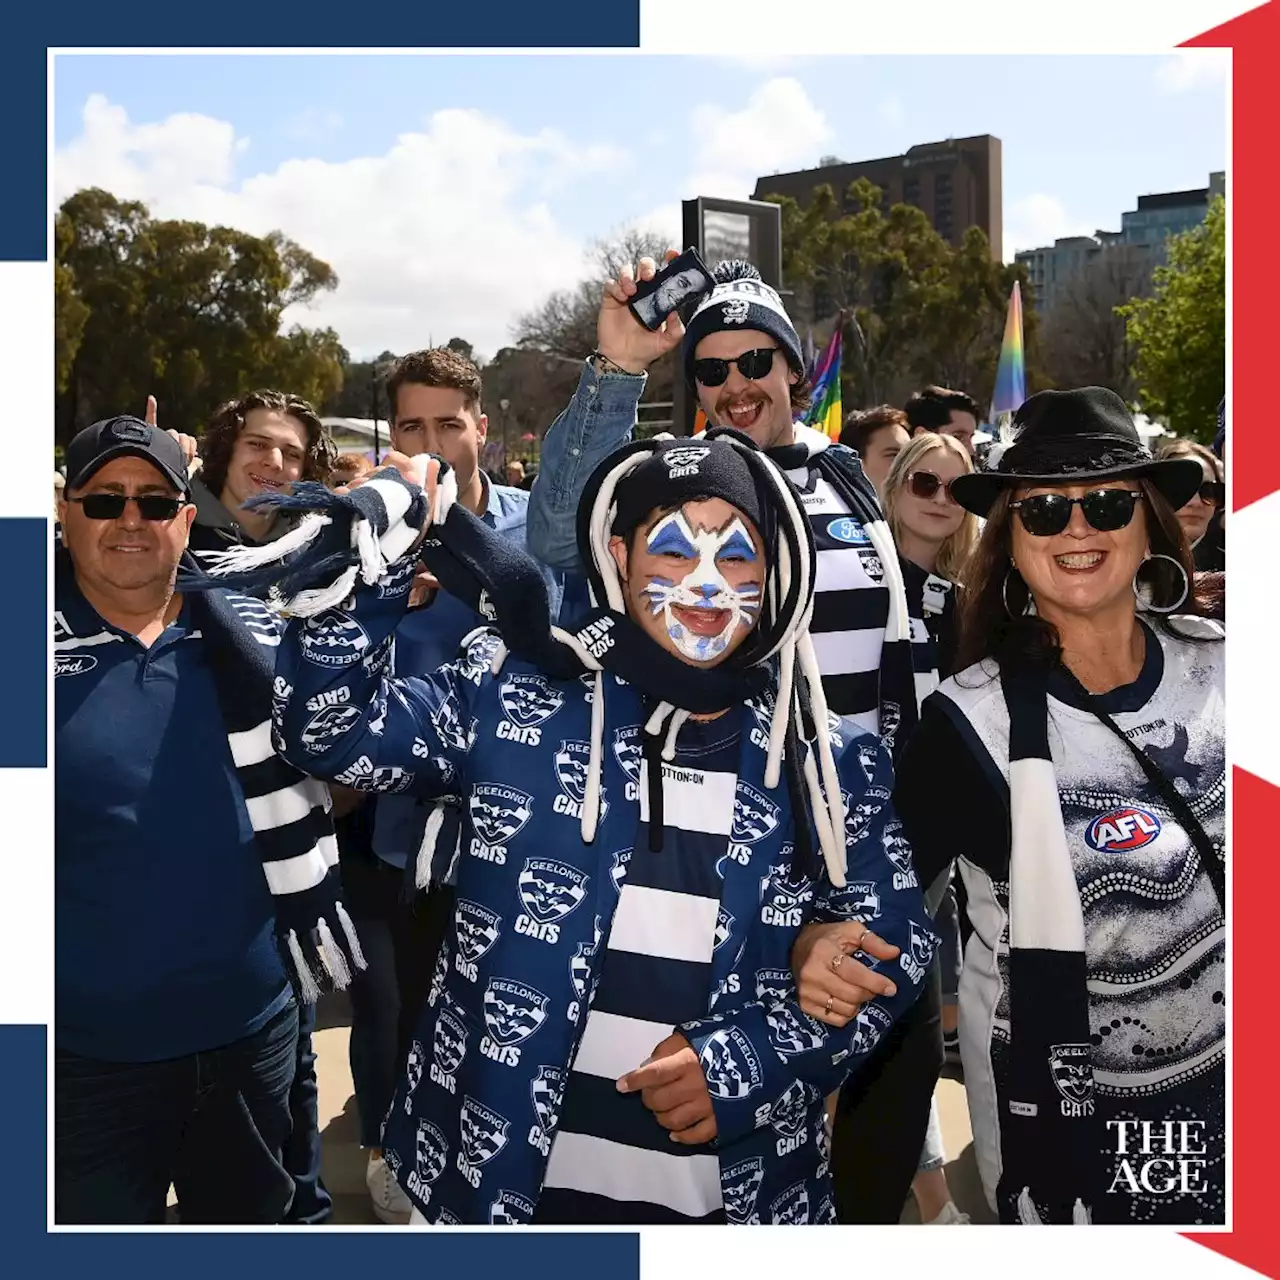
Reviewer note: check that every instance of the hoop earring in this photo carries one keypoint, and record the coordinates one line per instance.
(1004, 594)
(1145, 602)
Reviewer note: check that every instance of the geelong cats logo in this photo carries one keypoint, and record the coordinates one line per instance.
(513, 1011)
(571, 762)
(332, 639)
(549, 890)
(730, 1065)
(626, 750)
(1071, 1066)
(527, 703)
(448, 1050)
(754, 815)
(432, 1149)
(483, 1134)
(547, 1092)
(740, 1185)
(498, 814)
(478, 929)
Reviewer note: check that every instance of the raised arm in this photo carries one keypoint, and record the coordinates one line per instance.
(599, 418)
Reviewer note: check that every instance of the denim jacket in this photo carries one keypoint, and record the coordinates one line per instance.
(599, 419)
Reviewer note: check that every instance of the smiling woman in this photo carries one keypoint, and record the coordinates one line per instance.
(1076, 764)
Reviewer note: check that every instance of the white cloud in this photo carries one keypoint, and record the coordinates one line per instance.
(1192, 69)
(1038, 220)
(780, 128)
(152, 160)
(448, 233)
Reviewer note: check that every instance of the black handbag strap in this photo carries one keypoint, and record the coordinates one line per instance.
(1210, 859)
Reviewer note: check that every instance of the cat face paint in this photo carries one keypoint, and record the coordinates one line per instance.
(702, 609)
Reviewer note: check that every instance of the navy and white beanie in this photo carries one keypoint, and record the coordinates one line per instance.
(741, 300)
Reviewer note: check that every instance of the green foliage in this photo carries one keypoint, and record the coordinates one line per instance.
(1180, 332)
(186, 312)
(916, 310)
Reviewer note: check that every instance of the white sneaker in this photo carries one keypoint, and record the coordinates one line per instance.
(949, 1217)
(390, 1204)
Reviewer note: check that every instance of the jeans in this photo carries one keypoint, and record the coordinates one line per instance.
(312, 1203)
(213, 1124)
(400, 942)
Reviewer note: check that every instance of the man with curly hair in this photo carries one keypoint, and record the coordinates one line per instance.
(258, 443)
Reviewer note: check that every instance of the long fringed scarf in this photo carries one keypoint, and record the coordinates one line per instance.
(289, 811)
(1049, 1137)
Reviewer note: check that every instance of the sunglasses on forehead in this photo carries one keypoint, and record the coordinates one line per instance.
(753, 365)
(1106, 510)
(110, 506)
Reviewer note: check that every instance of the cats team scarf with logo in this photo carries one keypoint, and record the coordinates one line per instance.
(1050, 1141)
(367, 532)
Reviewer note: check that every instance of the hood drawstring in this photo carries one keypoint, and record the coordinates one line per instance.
(653, 770)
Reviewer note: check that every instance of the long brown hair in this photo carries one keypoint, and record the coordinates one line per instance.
(992, 621)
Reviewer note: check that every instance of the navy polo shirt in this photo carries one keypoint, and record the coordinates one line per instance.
(164, 925)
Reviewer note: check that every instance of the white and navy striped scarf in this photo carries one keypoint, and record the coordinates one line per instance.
(1049, 1138)
(288, 810)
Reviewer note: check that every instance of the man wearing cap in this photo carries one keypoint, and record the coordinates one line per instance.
(195, 885)
(612, 1034)
(742, 356)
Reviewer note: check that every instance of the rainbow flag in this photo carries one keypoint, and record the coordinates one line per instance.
(1011, 374)
(826, 413)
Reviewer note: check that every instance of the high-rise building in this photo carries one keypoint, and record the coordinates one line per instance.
(957, 183)
(1144, 231)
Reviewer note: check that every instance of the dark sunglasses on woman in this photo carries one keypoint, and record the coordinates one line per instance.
(753, 365)
(924, 484)
(110, 506)
(1106, 510)
(1213, 493)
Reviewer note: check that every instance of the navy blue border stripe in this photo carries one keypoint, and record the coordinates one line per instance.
(30, 30)
(321, 1253)
(24, 549)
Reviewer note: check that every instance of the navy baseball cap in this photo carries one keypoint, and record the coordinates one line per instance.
(122, 437)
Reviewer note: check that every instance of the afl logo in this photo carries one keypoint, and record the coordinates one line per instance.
(1122, 831)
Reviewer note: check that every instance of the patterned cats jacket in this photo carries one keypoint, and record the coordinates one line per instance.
(469, 1132)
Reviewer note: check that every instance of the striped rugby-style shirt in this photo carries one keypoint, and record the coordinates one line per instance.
(851, 602)
(611, 1161)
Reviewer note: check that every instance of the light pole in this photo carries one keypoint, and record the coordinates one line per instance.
(504, 405)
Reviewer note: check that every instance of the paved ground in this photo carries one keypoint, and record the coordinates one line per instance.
(344, 1161)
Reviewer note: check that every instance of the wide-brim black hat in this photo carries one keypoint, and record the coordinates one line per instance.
(1071, 437)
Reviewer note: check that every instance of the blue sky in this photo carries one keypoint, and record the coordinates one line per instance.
(534, 155)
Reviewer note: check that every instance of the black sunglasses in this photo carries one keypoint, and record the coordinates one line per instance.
(1106, 510)
(924, 484)
(110, 506)
(1213, 492)
(753, 365)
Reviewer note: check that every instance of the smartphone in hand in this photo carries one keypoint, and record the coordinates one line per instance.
(683, 279)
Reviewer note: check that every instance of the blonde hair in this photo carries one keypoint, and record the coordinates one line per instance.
(955, 551)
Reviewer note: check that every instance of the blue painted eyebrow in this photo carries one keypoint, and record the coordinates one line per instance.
(737, 545)
(670, 541)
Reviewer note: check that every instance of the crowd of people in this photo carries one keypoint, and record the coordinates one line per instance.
(671, 821)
